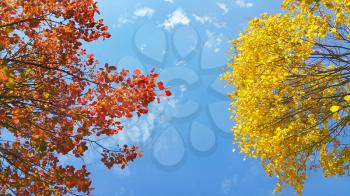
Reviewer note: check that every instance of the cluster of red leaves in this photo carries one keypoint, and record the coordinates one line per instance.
(54, 99)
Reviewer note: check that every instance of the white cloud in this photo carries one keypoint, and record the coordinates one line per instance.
(223, 7)
(122, 173)
(214, 41)
(243, 4)
(144, 11)
(209, 20)
(228, 184)
(183, 89)
(122, 191)
(124, 19)
(127, 18)
(139, 130)
(202, 19)
(178, 17)
(169, 1)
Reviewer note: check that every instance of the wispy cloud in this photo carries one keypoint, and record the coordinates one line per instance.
(122, 173)
(214, 41)
(144, 11)
(169, 1)
(127, 18)
(202, 19)
(178, 17)
(228, 184)
(209, 20)
(243, 4)
(124, 19)
(139, 130)
(223, 7)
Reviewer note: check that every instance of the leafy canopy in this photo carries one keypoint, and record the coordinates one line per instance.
(291, 104)
(55, 99)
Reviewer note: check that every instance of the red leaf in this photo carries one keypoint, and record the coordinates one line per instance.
(107, 35)
(112, 68)
(80, 100)
(161, 86)
(168, 93)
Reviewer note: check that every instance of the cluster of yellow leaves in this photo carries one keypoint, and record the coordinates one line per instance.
(290, 110)
(338, 10)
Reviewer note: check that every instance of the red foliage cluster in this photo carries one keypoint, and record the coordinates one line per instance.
(55, 99)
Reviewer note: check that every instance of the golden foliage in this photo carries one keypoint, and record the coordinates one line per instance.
(291, 104)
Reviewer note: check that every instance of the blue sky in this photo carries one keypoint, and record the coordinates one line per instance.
(186, 139)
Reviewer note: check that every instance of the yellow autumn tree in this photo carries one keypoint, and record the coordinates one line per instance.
(292, 100)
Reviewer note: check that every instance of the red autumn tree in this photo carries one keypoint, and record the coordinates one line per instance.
(54, 98)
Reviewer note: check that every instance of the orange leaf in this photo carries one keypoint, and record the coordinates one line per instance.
(3, 77)
(137, 72)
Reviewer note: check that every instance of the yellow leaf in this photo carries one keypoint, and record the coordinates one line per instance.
(347, 98)
(46, 95)
(11, 83)
(331, 66)
(335, 108)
